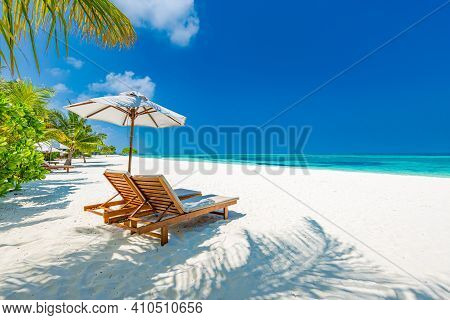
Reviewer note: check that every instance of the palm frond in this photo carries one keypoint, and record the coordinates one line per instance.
(74, 132)
(25, 92)
(97, 20)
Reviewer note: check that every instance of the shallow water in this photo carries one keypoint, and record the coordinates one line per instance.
(428, 165)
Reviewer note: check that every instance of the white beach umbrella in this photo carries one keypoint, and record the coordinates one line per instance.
(57, 145)
(46, 147)
(128, 109)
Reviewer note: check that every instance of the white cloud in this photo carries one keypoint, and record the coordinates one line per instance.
(83, 97)
(115, 83)
(57, 72)
(74, 62)
(177, 18)
(61, 88)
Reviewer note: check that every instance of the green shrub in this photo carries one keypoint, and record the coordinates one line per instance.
(126, 151)
(104, 149)
(20, 128)
(51, 156)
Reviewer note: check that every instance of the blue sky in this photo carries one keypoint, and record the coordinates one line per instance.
(242, 62)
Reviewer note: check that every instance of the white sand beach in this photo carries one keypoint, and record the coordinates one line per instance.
(325, 234)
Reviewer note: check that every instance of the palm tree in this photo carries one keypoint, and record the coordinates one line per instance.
(73, 131)
(98, 20)
(25, 92)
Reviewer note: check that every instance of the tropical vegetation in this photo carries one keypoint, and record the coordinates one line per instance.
(22, 125)
(105, 149)
(126, 151)
(24, 92)
(73, 131)
(25, 122)
(97, 20)
(24, 117)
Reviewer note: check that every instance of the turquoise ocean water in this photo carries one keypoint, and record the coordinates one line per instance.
(428, 165)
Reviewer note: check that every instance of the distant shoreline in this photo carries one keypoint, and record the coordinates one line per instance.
(400, 164)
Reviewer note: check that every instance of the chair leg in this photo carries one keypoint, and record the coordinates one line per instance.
(225, 213)
(132, 224)
(164, 235)
(105, 216)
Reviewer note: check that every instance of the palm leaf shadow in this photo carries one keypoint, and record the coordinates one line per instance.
(205, 259)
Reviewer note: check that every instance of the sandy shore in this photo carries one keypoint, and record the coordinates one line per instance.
(325, 234)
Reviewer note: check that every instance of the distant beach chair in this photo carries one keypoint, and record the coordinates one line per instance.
(52, 167)
(149, 203)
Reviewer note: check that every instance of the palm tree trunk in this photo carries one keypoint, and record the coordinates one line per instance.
(84, 158)
(69, 158)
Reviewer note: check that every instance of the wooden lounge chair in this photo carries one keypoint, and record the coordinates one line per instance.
(52, 167)
(155, 205)
(131, 197)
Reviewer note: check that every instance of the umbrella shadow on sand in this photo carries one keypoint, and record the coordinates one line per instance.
(205, 260)
(98, 164)
(36, 198)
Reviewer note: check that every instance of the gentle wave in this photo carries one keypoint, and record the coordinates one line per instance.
(429, 165)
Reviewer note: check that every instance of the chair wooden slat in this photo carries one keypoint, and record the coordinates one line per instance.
(149, 203)
(146, 178)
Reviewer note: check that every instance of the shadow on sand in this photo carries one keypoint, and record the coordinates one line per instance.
(205, 260)
(97, 164)
(35, 199)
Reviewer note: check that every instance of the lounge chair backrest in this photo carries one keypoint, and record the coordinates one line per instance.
(158, 193)
(121, 181)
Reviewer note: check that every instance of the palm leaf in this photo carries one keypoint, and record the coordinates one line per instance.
(74, 132)
(93, 20)
(24, 11)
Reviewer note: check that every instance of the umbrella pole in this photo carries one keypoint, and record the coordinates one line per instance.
(130, 154)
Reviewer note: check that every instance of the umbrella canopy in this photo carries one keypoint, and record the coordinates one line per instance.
(56, 144)
(128, 109)
(118, 109)
(47, 147)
